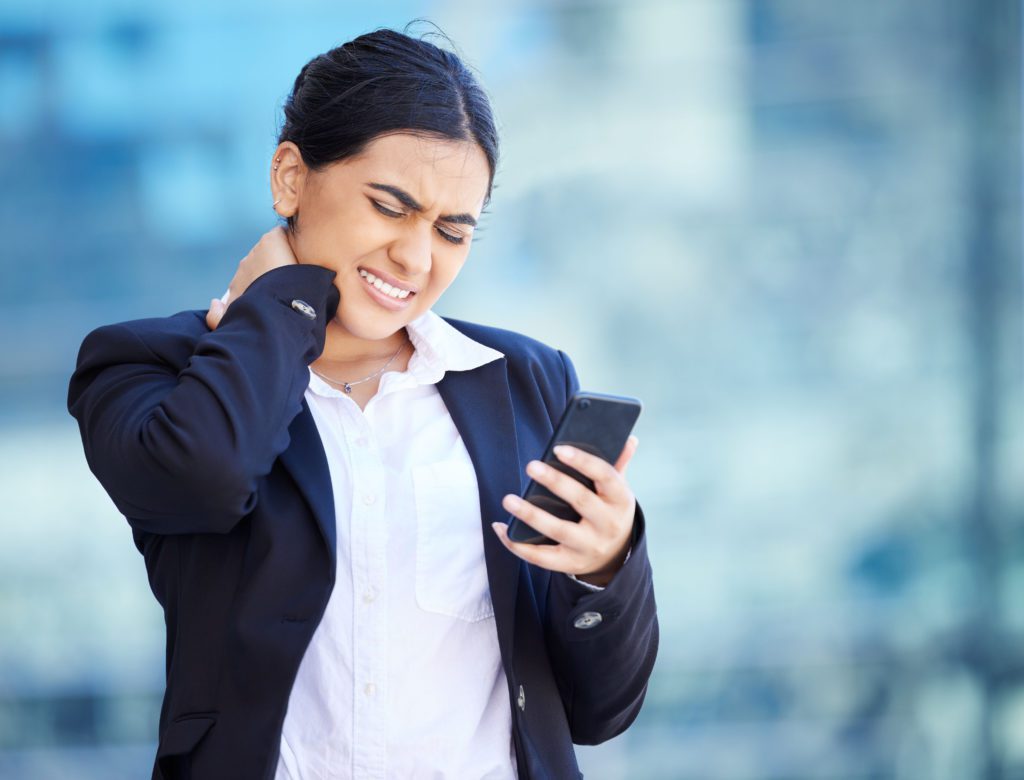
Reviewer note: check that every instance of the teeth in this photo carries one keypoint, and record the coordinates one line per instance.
(384, 287)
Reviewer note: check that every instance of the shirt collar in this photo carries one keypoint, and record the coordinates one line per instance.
(440, 347)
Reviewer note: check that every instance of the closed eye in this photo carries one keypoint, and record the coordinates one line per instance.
(452, 237)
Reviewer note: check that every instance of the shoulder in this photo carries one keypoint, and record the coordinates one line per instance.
(170, 339)
(517, 347)
(536, 370)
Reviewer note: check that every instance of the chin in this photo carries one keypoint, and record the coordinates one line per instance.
(374, 328)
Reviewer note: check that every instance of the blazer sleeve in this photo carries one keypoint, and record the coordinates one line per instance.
(180, 450)
(603, 668)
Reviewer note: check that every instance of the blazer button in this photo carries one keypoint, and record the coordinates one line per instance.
(587, 620)
(521, 698)
(304, 308)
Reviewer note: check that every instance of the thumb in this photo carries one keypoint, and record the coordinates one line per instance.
(627, 453)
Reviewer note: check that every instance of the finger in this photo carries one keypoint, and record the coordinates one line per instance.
(548, 556)
(607, 480)
(562, 531)
(579, 496)
(214, 313)
(627, 454)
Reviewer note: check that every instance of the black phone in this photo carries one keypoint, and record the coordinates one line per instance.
(598, 423)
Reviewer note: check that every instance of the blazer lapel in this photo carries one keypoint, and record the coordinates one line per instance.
(306, 460)
(481, 407)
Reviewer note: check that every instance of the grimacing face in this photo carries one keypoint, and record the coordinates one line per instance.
(359, 214)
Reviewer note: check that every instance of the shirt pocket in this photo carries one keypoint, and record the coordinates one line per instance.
(451, 571)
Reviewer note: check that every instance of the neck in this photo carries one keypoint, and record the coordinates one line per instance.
(344, 352)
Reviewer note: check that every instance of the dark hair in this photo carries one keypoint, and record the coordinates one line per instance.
(385, 81)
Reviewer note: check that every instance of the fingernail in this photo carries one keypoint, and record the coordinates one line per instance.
(564, 452)
(495, 525)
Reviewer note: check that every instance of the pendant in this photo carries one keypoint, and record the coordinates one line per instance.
(348, 388)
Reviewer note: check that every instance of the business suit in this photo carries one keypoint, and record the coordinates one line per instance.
(205, 443)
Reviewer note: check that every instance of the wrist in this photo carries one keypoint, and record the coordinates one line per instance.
(603, 576)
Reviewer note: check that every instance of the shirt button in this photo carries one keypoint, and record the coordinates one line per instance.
(588, 620)
(370, 689)
(369, 595)
(369, 498)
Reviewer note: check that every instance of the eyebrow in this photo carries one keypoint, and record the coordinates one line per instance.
(410, 202)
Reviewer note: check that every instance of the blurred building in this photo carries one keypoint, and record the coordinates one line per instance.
(792, 227)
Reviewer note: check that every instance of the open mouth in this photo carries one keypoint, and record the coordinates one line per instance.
(387, 295)
(392, 291)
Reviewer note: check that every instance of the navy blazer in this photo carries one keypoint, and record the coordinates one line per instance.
(204, 441)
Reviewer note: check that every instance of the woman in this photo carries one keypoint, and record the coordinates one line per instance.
(319, 470)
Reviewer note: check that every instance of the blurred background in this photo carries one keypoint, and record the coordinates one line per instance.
(792, 227)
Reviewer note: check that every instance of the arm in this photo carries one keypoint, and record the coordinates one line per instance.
(603, 668)
(182, 451)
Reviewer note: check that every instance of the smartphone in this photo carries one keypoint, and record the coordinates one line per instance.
(598, 423)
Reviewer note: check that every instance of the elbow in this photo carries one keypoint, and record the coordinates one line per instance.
(216, 508)
(196, 487)
(189, 514)
(600, 730)
(206, 498)
(222, 491)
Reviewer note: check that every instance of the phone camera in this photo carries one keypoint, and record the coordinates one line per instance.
(585, 403)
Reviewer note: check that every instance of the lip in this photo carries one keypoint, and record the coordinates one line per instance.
(394, 304)
(389, 279)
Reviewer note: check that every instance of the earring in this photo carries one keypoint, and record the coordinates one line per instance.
(275, 168)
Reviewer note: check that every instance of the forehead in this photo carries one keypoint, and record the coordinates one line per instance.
(451, 175)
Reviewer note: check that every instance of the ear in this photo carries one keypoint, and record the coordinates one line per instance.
(287, 178)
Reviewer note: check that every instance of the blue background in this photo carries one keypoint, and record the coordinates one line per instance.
(792, 227)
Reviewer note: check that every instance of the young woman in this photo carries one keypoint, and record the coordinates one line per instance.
(319, 471)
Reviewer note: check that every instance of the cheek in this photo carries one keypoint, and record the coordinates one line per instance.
(433, 287)
(349, 234)
(356, 240)
(444, 274)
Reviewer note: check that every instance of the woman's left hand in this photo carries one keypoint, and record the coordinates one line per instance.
(594, 548)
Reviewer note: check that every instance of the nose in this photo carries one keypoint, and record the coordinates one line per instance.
(412, 251)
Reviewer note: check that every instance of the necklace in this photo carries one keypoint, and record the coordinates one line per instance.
(348, 385)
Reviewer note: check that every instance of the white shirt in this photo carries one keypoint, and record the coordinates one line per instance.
(403, 676)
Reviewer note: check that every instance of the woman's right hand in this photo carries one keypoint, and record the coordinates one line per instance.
(272, 251)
